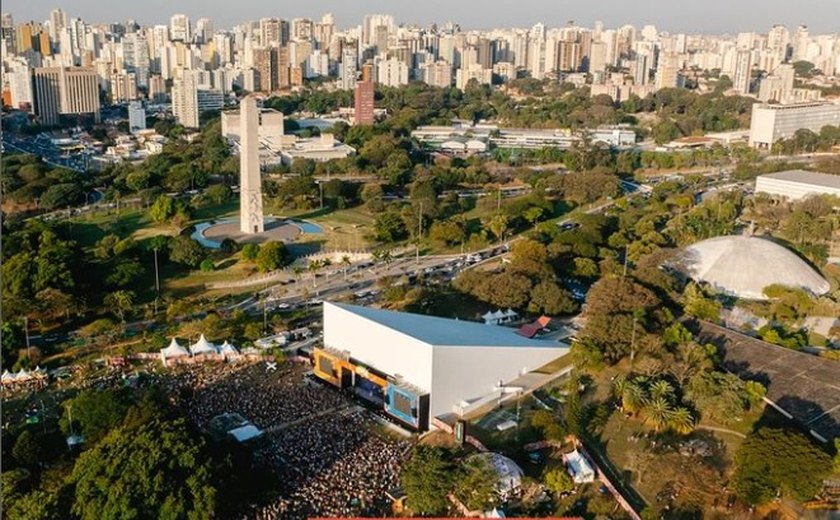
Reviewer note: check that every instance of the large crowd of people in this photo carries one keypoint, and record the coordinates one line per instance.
(267, 397)
(330, 459)
(334, 465)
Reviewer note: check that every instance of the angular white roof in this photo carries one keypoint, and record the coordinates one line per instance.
(579, 467)
(227, 348)
(744, 265)
(443, 332)
(202, 346)
(174, 350)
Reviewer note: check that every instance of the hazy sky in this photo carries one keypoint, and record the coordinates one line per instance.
(692, 16)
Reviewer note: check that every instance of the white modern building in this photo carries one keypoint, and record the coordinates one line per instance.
(423, 367)
(770, 123)
(270, 125)
(798, 184)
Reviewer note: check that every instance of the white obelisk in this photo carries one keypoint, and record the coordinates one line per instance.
(250, 183)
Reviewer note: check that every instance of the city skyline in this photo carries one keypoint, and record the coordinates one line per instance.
(705, 18)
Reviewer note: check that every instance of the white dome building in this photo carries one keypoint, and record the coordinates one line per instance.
(743, 266)
(510, 474)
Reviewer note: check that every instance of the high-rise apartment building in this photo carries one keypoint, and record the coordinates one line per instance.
(136, 116)
(184, 99)
(348, 71)
(668, 71)
(136, 57)
(391, 72)
(203, 30)
(58, 21)
(265, 68)
(363, 100)
(179, 28)
(743, 72)
(123, 87)
(437, 74)
(778, 87)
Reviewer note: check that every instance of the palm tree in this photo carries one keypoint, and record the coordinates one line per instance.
(345, 261)
(661, 389)
(297, 270)
(326, 262)
(498, 225)
(619, 385)
(658, 412)
(681, 421)
(314, 265)
(633, 397)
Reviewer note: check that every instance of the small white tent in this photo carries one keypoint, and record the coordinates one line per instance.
(228, 350)
(174, 350)
(202, 346)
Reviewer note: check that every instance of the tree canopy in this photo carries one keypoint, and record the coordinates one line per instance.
(158, 470)
(772, 460)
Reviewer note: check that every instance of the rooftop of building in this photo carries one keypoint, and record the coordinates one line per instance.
(445, 332)
(816, 178)
(794, 106)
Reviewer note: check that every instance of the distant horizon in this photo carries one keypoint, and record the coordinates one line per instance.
(712, 17)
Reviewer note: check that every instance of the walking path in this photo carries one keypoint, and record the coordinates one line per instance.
(721, 430)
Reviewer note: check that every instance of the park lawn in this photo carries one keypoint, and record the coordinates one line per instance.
(90, 228)
(194, 283)
(344, 229)
(226, 209)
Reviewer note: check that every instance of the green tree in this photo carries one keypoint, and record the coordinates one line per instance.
(218, 194)
(60, 196)
(773, 459)
(718, 395)
(207, 265)
(498, 225)
(125, 273)
(36, 504)
(549, 298)
(27, 449)
(558, 480)
(427, 477)
(389, 227)
(250, 252)
(272, 255)
(477, 484)
(446, 232)
(94, 413)
(529, 257)
(573, 413)
(615, 308)
(120, 303)
(157, 470)
(185, 250)
(162, 209)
